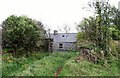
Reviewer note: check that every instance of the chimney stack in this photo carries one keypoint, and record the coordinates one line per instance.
(55, 32)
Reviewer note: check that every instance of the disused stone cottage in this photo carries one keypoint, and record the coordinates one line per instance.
(64, 41)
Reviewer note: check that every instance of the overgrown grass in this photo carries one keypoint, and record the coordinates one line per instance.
(46, 64)
(85, 68)
(11, 65)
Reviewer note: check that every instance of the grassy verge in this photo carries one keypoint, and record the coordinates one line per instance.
(12, 65)
(46, 64)
(85, 68)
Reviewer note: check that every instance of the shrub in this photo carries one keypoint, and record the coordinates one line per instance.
(21, 32)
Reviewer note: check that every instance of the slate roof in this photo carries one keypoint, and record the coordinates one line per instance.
(64, 37)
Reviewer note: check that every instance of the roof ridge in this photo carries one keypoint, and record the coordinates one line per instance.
(65, 33)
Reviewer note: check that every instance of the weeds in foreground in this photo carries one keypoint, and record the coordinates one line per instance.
(47, 64)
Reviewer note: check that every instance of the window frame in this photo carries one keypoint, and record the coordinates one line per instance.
(60, 45)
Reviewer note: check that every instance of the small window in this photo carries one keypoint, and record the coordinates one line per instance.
(60, 45)
(63, 36)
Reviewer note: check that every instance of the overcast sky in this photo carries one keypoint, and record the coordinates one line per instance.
(54, 14)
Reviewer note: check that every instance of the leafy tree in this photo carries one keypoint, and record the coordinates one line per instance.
(115, 22)
(88, 27)
(80, 37)
(115, 34)
(97, 29)
(21, 32)
(115, 17)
